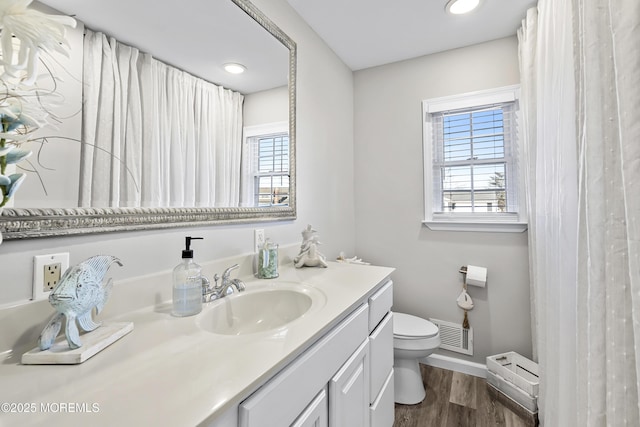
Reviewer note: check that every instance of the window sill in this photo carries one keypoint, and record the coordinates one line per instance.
(488, 226)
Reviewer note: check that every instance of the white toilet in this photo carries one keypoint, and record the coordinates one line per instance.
(413, 339)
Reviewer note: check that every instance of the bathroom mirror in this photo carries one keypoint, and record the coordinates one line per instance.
(221, 31)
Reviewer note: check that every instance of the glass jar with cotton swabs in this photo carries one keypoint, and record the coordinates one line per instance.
(268, 260)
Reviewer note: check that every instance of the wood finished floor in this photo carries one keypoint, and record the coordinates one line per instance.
(459, 400)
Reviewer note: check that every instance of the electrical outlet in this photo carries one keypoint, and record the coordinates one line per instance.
(47, 271)
(258, 238)
(51, 276)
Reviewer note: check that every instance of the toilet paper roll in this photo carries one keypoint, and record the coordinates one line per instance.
(476, 276)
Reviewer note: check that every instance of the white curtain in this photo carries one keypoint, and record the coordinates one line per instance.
(548, 110)
(608, 89)
(249, 170)
(155, 136)
(580, 81)
(110, 129)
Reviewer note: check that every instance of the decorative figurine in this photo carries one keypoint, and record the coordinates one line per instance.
(80, 290)
(309, 254)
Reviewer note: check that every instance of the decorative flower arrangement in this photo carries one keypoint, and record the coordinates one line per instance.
(24, 107)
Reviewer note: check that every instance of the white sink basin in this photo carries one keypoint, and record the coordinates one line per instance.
(260, 308)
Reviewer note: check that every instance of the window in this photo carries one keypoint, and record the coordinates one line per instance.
(267, 175)
(471, 173)
(272, 177)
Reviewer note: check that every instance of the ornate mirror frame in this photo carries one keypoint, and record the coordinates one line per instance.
(42, 222)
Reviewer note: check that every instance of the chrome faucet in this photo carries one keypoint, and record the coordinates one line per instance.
(225, 288)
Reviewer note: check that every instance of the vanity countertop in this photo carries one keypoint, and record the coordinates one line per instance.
(168, 371)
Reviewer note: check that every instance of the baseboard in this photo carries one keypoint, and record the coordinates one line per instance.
(457, 365)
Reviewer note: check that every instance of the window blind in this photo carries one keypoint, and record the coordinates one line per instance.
(473, 164)
(272, 177)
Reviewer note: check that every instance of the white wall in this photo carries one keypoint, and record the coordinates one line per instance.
(267, 106)
(324, 127)
(389, 199)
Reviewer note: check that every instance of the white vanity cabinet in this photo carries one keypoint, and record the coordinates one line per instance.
(330, 367)
(286, 397)
(343, 380)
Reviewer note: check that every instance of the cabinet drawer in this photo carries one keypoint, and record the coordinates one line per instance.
(382, 409)
(381, 351)
(282, 399)
(380, 304)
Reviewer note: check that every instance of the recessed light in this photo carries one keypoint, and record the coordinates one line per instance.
(234, 68)
(458, 7)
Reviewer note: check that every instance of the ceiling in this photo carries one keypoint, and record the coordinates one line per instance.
(363, 33)
(199, 38)
(367, 33)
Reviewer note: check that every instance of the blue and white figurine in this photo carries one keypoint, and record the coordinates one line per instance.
(80, 289)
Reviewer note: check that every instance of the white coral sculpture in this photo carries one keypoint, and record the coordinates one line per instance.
(24, 34)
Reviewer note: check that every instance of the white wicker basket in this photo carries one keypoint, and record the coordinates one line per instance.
(515, 376)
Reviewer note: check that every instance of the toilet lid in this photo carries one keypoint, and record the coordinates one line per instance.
(408, 326)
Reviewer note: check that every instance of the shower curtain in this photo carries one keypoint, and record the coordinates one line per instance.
(580, 71)
(155, 136)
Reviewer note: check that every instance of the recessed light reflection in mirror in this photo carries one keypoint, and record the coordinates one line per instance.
(458, 7)
(234, 68)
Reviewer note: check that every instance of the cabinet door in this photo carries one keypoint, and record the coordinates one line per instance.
(316, 414)
(382, 409)
(381, 355)
(349, 391)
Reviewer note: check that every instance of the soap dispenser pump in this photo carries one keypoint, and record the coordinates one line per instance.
(187, 283)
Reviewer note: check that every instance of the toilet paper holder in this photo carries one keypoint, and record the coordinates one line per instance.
(479, 276)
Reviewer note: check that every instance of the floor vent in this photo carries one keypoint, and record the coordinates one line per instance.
(454, 337)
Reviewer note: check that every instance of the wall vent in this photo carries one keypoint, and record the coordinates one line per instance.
(454, 337)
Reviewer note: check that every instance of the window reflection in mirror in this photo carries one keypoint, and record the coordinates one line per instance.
(266, 173)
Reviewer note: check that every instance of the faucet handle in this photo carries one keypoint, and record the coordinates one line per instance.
(206, 284)
(228, 271)
(206, 289)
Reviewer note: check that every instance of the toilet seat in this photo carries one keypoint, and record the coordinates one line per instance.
(408, 327)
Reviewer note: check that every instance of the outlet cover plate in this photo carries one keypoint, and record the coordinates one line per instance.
(258, 238)
(40, 262)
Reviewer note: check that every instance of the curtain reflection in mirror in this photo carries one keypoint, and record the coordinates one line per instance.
(157, 136)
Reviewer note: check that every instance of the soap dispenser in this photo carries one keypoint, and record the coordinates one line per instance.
(187, 283)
